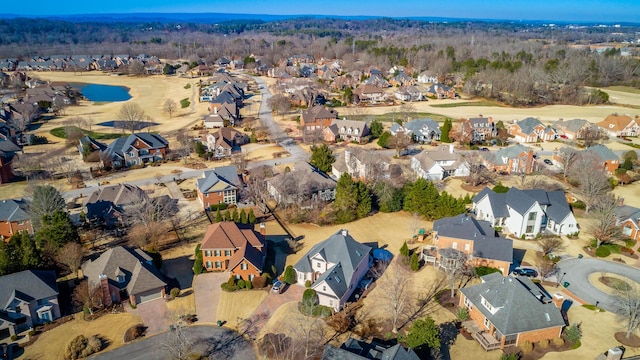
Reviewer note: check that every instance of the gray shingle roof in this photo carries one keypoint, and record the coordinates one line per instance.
(485, 242)
(603, 152)
(528, 124)
(122, 144)
(226, 174)
(34, 284)
(140, 274)
(13, 210)
(112, 197)
(518, 302)
(624, 212)
(342, 250)
(501, 156)
(354, 349)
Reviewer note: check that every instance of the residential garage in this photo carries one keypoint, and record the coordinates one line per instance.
(148, 296)
(4, 333)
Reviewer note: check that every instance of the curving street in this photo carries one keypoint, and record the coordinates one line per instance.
(211, 341)
(577, 275)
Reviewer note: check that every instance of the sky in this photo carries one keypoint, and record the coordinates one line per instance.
(557, 10)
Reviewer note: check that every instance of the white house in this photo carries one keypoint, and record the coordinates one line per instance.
(526, 212)
(335, 267)
(439, 164)
(427, 77)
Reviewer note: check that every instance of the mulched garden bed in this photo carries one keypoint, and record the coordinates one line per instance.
(632, 341)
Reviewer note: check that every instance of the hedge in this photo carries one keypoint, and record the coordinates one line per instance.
(602, 251)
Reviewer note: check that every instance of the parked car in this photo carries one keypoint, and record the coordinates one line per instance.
(548, 162)
(484, 149)
(526, 272)
(278, 287)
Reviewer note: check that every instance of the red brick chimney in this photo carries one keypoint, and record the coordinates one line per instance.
(104, 285)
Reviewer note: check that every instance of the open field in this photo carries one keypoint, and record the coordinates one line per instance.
(110, 327)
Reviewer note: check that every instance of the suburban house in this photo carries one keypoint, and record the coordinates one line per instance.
(506, 311)
(135, 149)
(107, 205)
(125, 274)
(620, 125)
(28, 298)
(317, 118)
(440, 163)
(409, 93)
(367, 92)
(354, 349)
(87, 145)
(7, 151)
(219, 185)
(483, 128)
(14, 218)
(464, 238)
(439, 91)
(402, 79)
(420, 130)
(317, 186)
(346, 130)
(526, 212)
(221, 115)
(334, 267)
(225, 141)
(516, 159)
(576, 129)
(361, 164)
(427, 77)
(531, 130)
(628, 217)
(608, 160)
(235, 248)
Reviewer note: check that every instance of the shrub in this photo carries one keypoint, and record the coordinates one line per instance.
(558, 341)
(259, 282)
(307, 284)
(240, 284)
(32, 332)
(184, 103)
(175, 292)
(526, 347)
(289, 275)
(227, 287)
(231, 281)
(544, 343)
(602, 251)
(579, 205)
(188, 86)
(512, 356)
(81, 347)
(134, 332)
(485, 270)
(14, 337)
(404, 250)
(414, 262)
(248, 285)
(522, 237)
(573, 333)
(462, 314)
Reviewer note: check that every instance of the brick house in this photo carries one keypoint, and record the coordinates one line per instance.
(219, 185)
(135, 149)
(506, 311)
(576, 129)
(14, 218)
(125, 274)
(439, 91)
(620, 125)
(225, 141)
(107, 204)
(483, 128)
(440, 163)
(531, 130)
(317, 118)
(516, 159)
(28, 298)
(609, 160)
(628, 218)
(7, 152)
(346, 130)
(463, 238)
(235, 248)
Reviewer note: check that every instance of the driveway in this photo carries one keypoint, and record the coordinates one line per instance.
(206, 288)
(273, 301)
(155, 315)
(211, 341)
(576, 272)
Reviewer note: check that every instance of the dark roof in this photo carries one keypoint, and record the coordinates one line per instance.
(624, 212)
(521, 305)
(358, 349)
(223, 178)
(528, 124)
(112, 197)
(122, 144)
(13, 210)
(342, 250)
(502, 156)
(318, 112)
(8, 148)
(554, 203)
(134, 264)
(27, 285)
(487, 244)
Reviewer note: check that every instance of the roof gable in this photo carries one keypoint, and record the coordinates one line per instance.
(28, 284)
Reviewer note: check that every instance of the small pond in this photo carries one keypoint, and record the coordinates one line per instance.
(103, 93)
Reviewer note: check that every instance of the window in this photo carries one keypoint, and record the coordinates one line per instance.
(216, 252)
(244, 266)
(486, 304)
(454, 245)
(626, 230)
(468, 304)
(532, 216)
(324, 288)
(207, 253)
(209, 265)
(227, 253)
(218, 264)
(318, 265)
(529, 229)
(120, 278)
(487, 323)
(467, 247)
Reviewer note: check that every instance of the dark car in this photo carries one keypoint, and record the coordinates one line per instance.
(548, 162)
(484, 149)
(526, 272)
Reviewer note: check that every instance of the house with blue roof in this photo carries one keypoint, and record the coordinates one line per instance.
(526, 212)
(135, 149)
(334, 267)
(420, 130)
(219, 185)
(531, 130)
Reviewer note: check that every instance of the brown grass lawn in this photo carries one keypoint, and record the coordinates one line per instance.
(110, 327)
(235, 306)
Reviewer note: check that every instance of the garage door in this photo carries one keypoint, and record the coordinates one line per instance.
(4, 333)
(148, 296)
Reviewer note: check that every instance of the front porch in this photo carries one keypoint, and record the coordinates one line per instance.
(483, 337)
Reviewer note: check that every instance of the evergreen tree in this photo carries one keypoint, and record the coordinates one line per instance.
(346, 200)
(404, 250)
(414, 262)
(422, 198)
(227, 215)
(236, 215)
(388, 197)
(376, 128)
(10, 256)
(57, 230)
(445, 129)
(423, 332)
(243, 217)
(289, 275)
(218, 216)
(45, 201)
(364, 200)
(251, 217)
(499, 188)
(383, 139)
(627, 164)
(197, 265)
(322, 157)
(30, 255)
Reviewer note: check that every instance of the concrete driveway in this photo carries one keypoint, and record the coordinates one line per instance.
(576, 272)
(273, 301)
(206, 288)
(155, 315)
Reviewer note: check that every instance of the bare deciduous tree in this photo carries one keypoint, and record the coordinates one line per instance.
(169, 106)
(88, 294)
(400, 142)
(593, 180)
(70, 255)
(550, 244)
(279, 103)
(605, 228)
(396, 295)
(627, 302)
(568, 157)
(131, 115)
(240, 161)
(478, 173)
(147, 218)
(177, 344)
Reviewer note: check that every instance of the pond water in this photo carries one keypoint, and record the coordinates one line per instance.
(103, 93)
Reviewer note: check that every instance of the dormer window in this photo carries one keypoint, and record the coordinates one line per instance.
(120, 278)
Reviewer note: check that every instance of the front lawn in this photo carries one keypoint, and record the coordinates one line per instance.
(61, 132)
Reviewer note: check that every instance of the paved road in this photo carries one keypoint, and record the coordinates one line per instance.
(577, 275)
(215, 342)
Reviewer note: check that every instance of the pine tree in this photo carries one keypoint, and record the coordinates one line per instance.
(236, 215)
(251, 217)
(404, 250)
(218, 216)
(227, 215)
(322, 157)
(414, 262)
(445, 129)
(364, 200)
(243, 217)
(422, 198)
(346, 203)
